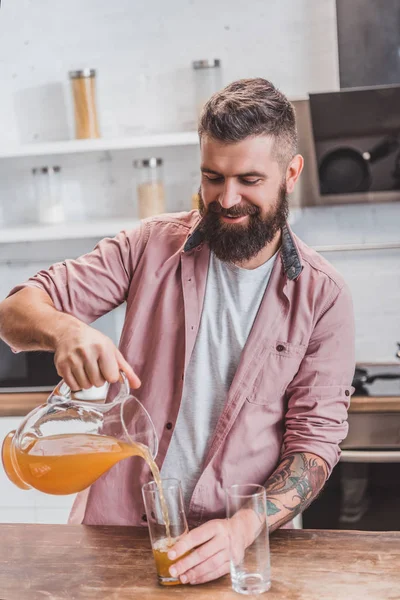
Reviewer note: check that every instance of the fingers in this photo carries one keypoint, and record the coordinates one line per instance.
(196, 537)
(133, 379)
(70, 380)
(212, 570)
(108, 367)
(79, 372)
(198, 556)
(209, 558)
(95, 372)
(89, 358)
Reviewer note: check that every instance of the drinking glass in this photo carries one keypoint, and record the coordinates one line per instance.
(163, 502)
(250, 567)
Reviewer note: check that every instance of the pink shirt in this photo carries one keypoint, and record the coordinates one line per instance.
(292, 387)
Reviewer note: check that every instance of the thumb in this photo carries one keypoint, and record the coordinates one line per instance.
(133, 379)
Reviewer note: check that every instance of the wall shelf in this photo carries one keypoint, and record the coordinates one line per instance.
(164, 140)
(76, 230)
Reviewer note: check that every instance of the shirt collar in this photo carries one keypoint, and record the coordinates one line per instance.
(290, 254)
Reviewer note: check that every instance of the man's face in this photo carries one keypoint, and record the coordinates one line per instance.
(243, 197)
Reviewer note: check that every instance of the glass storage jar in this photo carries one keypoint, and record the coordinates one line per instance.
(84, 94)
(150, 187)
(208, 80)
(49, 194)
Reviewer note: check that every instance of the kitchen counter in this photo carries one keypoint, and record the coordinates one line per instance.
(362, 404)
(65, 562)
(20, 404)
(16, 405)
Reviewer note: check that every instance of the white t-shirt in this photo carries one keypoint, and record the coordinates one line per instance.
(232, 299)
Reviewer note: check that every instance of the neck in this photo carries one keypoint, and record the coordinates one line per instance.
(265, 254)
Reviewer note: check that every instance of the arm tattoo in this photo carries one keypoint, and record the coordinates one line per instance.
(292, 487)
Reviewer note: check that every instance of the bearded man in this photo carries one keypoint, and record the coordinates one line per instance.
(241, 335)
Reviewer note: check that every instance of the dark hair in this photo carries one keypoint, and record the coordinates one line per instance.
(251, 107)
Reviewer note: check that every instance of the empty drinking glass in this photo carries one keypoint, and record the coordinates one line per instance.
(250, 566)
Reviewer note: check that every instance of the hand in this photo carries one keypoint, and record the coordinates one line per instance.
(85, 357)
(210, 545)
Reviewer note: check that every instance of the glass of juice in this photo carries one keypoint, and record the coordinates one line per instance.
(163, 501)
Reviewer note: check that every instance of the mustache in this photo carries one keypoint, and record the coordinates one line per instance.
(234, 211)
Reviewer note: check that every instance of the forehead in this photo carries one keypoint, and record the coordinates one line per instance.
(250, 154)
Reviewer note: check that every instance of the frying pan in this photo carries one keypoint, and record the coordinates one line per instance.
(361, 379)
(346, 170)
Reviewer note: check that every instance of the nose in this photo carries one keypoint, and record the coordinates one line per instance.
(229, 195)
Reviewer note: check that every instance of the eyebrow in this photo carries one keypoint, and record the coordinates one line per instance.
(248, 174)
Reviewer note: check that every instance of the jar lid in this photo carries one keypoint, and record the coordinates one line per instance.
(206, 64)
(148, 162)
(44, 170)
(82, 73)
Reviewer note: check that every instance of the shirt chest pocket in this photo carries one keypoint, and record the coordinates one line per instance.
(280, 364)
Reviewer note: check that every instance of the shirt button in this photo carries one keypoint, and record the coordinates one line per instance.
(144, 518)
(169, 425)
(347, 393)
(280, 348)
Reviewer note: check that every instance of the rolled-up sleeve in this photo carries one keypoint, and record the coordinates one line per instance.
(319, 395)
(95, 283)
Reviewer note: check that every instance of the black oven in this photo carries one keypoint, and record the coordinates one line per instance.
(26, 371)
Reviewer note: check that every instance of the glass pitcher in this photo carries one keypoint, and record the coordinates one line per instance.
(63, 446)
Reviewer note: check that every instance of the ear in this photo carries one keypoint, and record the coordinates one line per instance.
(293, 171)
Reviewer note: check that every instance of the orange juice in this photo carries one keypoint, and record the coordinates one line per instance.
(66, 464)
(163, 563)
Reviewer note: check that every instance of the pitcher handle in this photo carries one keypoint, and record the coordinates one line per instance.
(62, 392)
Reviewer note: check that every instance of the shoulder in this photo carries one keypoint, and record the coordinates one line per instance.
(162, 235)
(182, 221)
(176, 224)
(318, 267)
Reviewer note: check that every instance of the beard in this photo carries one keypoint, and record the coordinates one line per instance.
(237, 243)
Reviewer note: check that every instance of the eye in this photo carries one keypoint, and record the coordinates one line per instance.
(250, 181)
(214, 179)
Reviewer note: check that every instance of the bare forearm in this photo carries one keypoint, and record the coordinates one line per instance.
(29, 321)
(293, 485)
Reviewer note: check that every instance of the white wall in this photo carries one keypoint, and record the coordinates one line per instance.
(143, 53)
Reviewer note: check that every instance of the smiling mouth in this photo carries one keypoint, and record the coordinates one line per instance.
(233, 218)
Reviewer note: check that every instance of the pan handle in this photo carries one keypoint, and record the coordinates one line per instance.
(370, 456)
(385, 147)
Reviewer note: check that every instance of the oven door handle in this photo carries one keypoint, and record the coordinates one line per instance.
(370, 456)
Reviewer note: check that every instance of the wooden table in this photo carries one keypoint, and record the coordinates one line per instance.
(115, 563)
